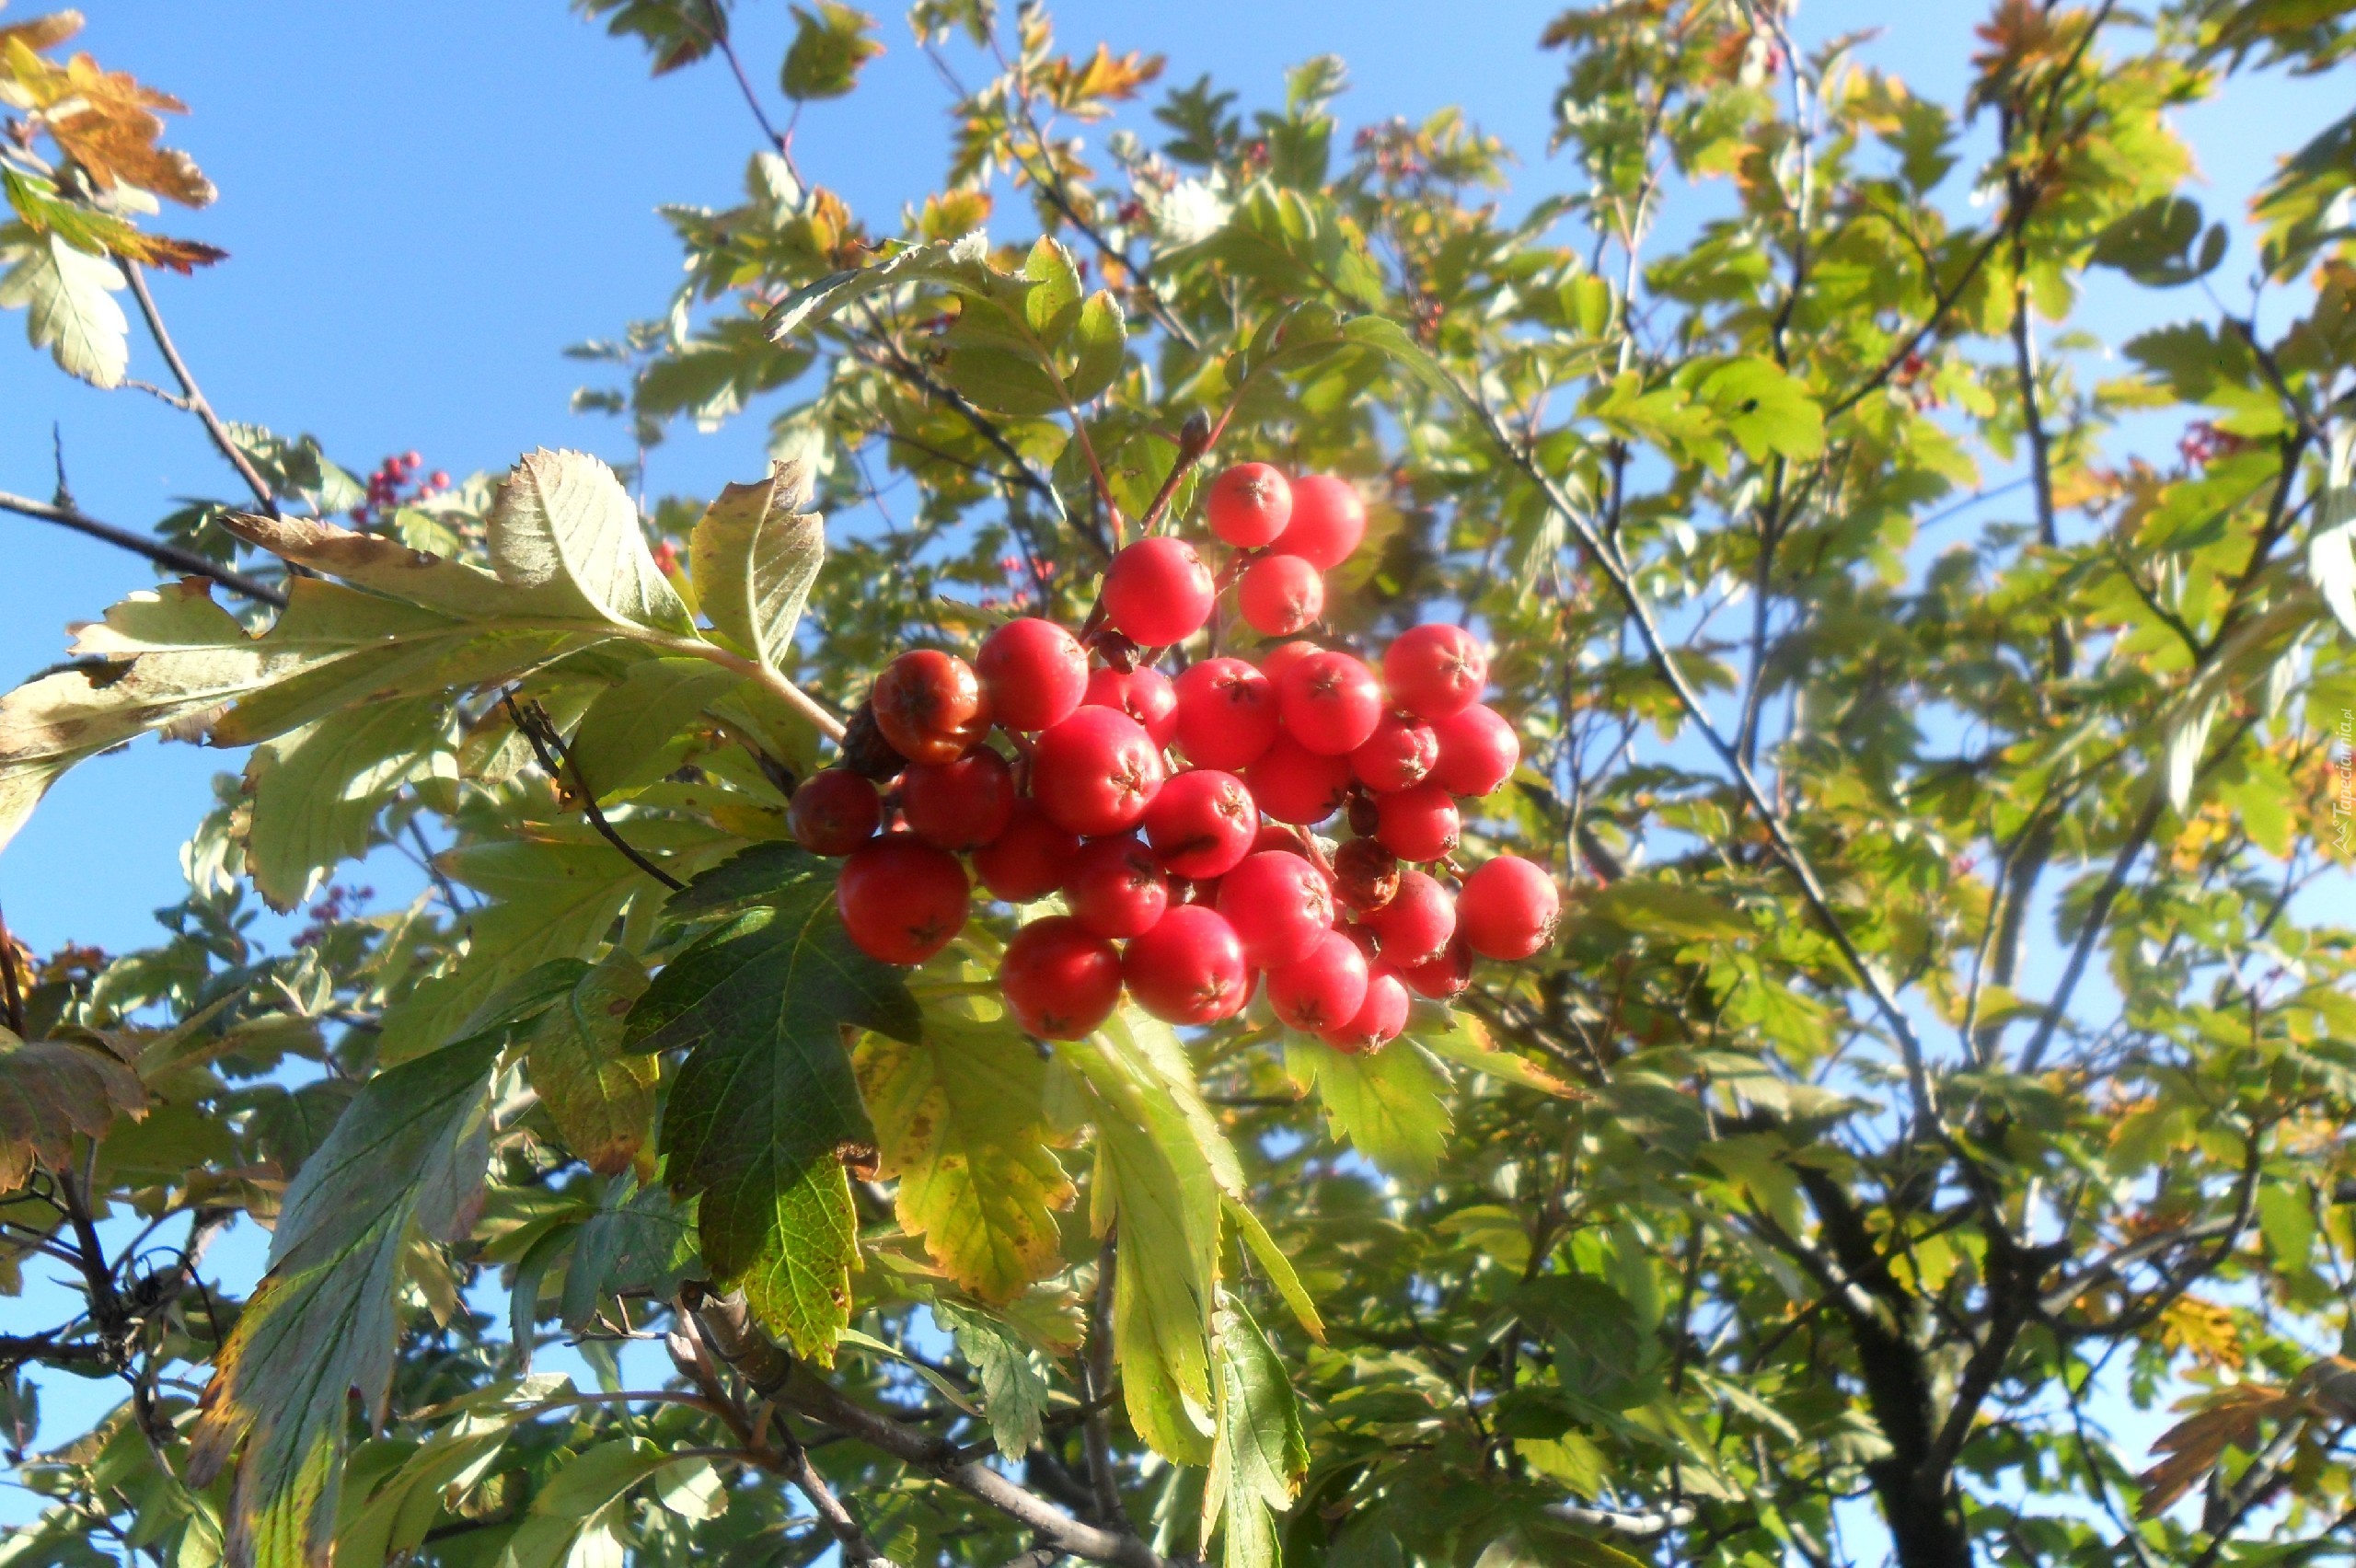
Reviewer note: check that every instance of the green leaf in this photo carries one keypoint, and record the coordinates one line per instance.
(1767, 411)
(1647, 907)
(829, 46)
(316, 790)
(621, 740)
(65, 294)
(1262, 1451)
(960, 1118)
(965, 257)
(766, 1099)
(642, 1241)
(754, 556)
(2153, 244)
(2331, 546)
(565, 533)
(575, 1501)
(1279, 1268)
(1051, 306)
(1014, 1387)
(601, 1098)
(1387, 1105)
(1456, 1034)
(1102, 335)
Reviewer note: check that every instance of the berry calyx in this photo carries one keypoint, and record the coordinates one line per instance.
(1029, 859)
(958, 805)
(1478, 751)
(1507, 908)
(1202, 823)
(1399, 754)
(1095, 773)
(901, 899)
(1415, 926)
(1297, 785)
(1061, 981)
(1115, 888)
(1144, 694)
(1157, 591)
(1278, 906)
(1323, 988)
(1249, 504)
(1331, 703)
(1189, 968)
(1435, 670)
(1226, 714)
(1281, 594)
(834, 811)
(1035, 672)
(1379, 1017)
(930, 705)
(1328, 520)
(1420, 823)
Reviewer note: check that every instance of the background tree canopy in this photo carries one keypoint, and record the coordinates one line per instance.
(1944, 722)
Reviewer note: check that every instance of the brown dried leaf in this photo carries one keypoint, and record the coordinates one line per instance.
(51, 1090)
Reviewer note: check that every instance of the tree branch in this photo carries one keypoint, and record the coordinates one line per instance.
(162, 554)
(542, 734)
(194, 395)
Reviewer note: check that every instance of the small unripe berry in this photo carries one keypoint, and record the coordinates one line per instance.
(1278, 906)
(1096, 772)
(1226, 714)
(1248, 505)
(901, 899)
(1060, 980)
(834, 811)
(1323, 988)
(1435, 670)
(1157, 591)
(1365, 875)
(1379, 1018)
(1328, 520)
(930, 705)
(1115, 888)
(1331, 703)
(1417, 922)
(1507, 908)
(1420, 823)
(1202, 823)
(1478, 751)
(1029, 859)
(960, 804)
(1189, 968)
(1294, 784)
(1144, 694)
(1281, 594)
(1035, 672)
(1399, 754)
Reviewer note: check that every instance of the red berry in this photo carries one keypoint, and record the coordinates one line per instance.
(1435, 670)
(834, 811)
(1278, 904)
(1282, 657)
(930, 705)
(1060, 980)
(1363, 940)
(1294, 784)
(1331, 703)
(412, 460)
(1029, 859)
(1420, 823)
(1507, 908)
(1096, 772)
(1248, 505)
(1417, 922)
(1379, 1018)
(1035, 672)
(1226, 714)
(901, 899)
(1442, 976)
(1115, 887)
(1281, 594)
(961, 804)
(1202, 823)
(1157, 591)
(1328, 520)
(1478, 751)
(1144, 694)
(1324, 986)
(1188, 969)
(1400, 753)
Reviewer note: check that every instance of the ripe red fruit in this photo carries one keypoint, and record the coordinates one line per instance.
(1420, 823)
(1189, 968)
(1294, 784)
(1029, 859)
(1096, 772)
(1157, 591)
(1380, 1017)
(1435, 670)
(1365, 875)
(1417, 922)
(1440, 977)
(1323, 987)
(1202, 823)
(1115, 887)
(1144, 694)
(1478, 751)
(1060, 980)
(1278, 904)
(1282, 657)
(1400, 753)
(1328, 520)
(901, 899)
(961, 804)
(1279, 594)
(1227, 713)
(1331, 703)
(1507, 908)
(930, 705)
(834, 811)
(1035, 672)
(1248, 505)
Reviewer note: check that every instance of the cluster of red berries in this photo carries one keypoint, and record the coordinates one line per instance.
(393, 476)
(1189, 881)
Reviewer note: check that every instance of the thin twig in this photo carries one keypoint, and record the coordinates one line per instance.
(162, 554)
(1097, 1370)
(188, 388)
(542, 735)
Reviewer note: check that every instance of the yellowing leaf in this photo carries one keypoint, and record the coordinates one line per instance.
(563, 530)
(65, 294)
(601, 1098)
(829, 46)
(51, 1089)
(754, 556)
